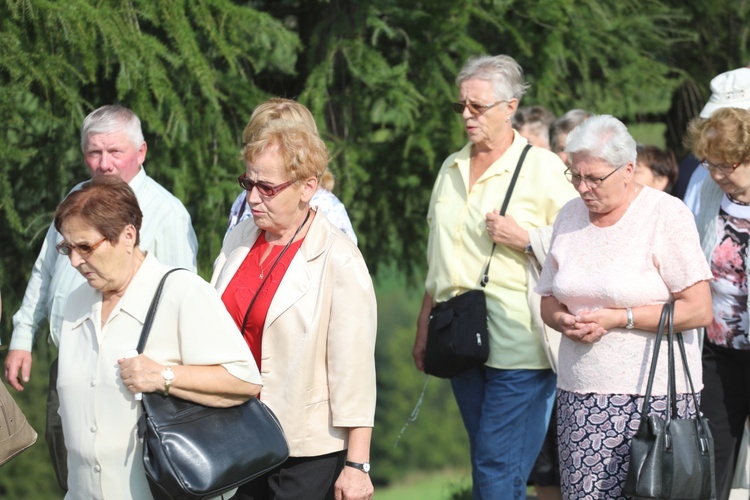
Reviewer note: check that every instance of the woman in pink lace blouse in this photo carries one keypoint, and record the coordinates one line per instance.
(618, 253)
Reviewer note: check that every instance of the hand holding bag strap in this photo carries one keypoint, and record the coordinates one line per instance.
(504, 207)
(152, 311)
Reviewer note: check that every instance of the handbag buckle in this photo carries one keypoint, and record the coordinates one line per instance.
(704, 445)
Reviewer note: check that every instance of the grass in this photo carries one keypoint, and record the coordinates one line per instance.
(443, 485)
(426, 486)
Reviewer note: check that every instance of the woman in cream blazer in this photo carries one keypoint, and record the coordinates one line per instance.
(318, 366)
(301, 294)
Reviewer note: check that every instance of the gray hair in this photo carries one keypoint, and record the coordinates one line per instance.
(503, 72)
(112, 118)
(566, 123)
(605, 137)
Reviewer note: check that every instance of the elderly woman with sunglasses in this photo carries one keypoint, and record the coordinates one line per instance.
(723, 142)
(301, 294)
(194, 351)
(617, 255)
(505, 404)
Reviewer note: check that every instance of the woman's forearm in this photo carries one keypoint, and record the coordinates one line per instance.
(210, 386)
(551, 309)
(692, 309)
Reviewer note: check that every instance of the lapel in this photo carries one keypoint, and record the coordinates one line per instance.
(249, 233)
(298, 278)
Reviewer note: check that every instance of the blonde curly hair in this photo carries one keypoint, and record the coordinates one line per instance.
(724, 137)
(266, 126)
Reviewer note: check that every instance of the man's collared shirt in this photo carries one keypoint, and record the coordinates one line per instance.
(166, 231)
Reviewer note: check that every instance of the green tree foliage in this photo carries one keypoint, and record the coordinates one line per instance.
(719, 42)
(378, 74)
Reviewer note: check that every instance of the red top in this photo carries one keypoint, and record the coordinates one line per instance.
(245, 283)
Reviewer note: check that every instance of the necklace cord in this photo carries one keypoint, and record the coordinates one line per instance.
(283, 251)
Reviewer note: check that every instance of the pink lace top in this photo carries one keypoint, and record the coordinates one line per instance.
(651, 252)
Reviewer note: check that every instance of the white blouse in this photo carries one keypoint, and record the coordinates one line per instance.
(99, 414)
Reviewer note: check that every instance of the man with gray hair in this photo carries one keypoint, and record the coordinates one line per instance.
(112, 144)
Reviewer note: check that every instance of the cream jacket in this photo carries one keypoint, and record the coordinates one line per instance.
(318, 349)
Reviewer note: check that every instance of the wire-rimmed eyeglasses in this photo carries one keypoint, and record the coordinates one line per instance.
(724, 168)
(591, 182)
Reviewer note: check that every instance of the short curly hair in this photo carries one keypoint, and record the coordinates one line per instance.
(724, 137)
(267, 126)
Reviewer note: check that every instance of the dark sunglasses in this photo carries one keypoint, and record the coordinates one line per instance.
(474, 108)
(83, 249)
(263, 188)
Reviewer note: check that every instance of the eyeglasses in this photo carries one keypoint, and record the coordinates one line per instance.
(83, 250)
(591, 182)
(264, 189)
(724, 168)
(474, 109)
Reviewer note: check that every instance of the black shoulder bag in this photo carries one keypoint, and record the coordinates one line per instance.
(191, 451)
(672, 457)
(457, 335)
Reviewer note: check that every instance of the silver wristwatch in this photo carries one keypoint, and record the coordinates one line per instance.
(630, 324)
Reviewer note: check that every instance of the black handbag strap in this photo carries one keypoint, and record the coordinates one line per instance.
(503, 208)
(654, 359)
(667, 322)
(268, 274)
(152, 310)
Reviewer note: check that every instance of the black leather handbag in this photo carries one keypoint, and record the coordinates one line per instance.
(457, 335)
(191, 451)
(671, 457)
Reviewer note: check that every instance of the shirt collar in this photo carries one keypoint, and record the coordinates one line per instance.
(506, 163)
(137, 181)
(141, 289)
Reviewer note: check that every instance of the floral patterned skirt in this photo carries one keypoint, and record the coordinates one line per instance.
(594, 432)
